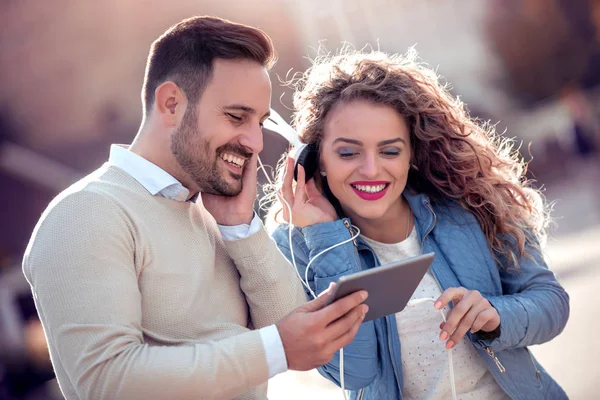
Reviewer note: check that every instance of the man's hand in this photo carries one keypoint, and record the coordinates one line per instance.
(471, 311)
(313, 333)
(238, 209)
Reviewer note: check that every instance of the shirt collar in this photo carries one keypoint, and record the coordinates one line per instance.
(155, 179)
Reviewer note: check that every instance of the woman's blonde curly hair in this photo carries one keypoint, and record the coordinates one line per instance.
(454, 157)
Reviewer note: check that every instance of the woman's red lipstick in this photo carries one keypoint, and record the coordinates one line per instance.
(368, 195)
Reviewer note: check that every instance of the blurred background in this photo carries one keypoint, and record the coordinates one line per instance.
(70, 86)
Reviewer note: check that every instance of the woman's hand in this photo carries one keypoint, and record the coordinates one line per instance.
(471, 312)
(308, 205)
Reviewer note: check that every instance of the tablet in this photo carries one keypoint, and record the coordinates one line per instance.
(389, 286)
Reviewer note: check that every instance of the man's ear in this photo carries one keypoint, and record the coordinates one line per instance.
(170, 103)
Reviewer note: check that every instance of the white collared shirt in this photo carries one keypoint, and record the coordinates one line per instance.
(159, 182)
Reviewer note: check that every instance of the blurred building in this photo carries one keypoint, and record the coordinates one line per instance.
(449, 35)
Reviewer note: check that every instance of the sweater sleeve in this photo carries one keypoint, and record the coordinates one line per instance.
(81, 266)
(269, 281)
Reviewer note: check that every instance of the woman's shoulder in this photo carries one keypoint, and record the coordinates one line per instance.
(443, 208)
(279, 231)
(322, 232)
(453, 212)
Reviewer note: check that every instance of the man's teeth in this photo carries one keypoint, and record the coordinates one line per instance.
(370, 188)
(239, 161)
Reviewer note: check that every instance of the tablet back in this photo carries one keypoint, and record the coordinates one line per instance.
(389, 286)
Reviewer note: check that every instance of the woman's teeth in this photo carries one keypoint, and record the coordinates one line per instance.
(370, 188)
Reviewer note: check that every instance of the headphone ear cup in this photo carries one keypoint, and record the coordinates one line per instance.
(307, 155)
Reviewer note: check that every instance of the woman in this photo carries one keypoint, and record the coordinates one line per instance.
(400, 159)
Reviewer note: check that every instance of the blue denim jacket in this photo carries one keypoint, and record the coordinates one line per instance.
(532, 305)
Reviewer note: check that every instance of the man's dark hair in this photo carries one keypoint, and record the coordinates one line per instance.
(185, 54)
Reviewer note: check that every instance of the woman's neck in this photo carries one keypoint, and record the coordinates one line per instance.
(393, 227)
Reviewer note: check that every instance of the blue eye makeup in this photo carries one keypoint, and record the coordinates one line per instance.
(346, 152)
(391, 151)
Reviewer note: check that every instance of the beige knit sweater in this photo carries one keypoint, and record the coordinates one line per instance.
(140, 298)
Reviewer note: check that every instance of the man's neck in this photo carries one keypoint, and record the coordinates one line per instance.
(154, 147)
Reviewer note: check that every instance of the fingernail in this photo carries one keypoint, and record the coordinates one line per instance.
(450, 344)
(364, 295)
(444, 335)
(365, 309)
(472, 330)
(438, 304)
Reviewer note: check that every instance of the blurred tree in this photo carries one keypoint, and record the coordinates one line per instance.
(542, 44)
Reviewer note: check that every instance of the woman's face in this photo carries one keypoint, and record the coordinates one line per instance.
(365, 153)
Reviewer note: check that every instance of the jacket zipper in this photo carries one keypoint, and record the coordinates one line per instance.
(361, 392)
(538, 374)
(493, 356)
(349, 227)
(356, 257)
(387, 323)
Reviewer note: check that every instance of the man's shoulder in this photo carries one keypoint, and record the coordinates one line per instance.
(100, 194)
(107, 184)
(79, 221)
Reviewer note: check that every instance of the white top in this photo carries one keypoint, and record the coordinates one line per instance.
(159, 182)
(425, 369)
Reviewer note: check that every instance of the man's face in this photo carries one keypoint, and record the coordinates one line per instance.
(218, 135)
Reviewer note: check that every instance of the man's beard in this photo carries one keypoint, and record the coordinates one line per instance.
(194, 156)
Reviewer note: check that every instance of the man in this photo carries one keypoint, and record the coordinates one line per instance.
(151, 274)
